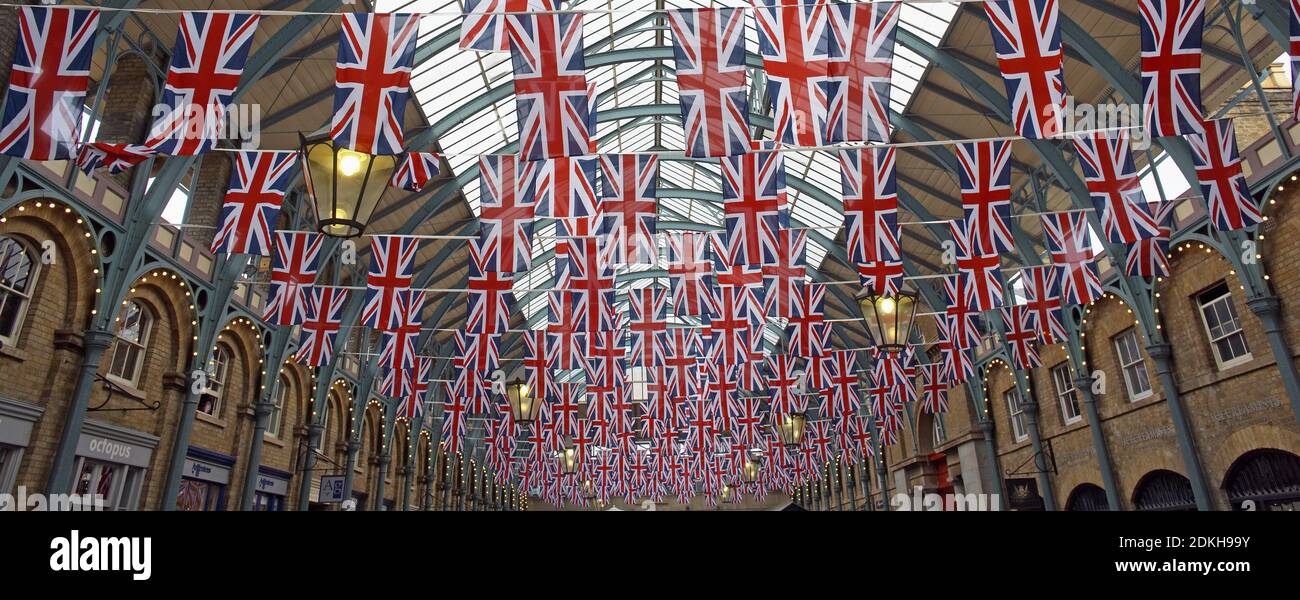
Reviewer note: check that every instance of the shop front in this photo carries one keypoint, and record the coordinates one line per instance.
(111, 464)
(205, 480)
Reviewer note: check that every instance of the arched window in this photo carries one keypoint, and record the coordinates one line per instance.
(134, 325)
(1087, 497)
(211, 401)
(276, 417)
(1264, 479)
(17, 280)
(1164, 490)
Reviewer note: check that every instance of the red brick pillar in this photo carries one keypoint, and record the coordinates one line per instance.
(127, 109)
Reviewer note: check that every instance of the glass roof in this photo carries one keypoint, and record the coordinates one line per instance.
(451, 80)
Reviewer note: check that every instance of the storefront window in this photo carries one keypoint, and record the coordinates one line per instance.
(116, 485)
(268, 502)
(198, 496)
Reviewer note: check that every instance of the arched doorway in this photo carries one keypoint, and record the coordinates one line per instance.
(1264, 479)
(1087, 497)
(1164, 490)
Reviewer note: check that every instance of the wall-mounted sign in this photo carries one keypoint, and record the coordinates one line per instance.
(331, 489)
(1022, 494)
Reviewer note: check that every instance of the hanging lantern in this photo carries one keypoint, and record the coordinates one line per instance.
(344, 185)
(749, 473)
(789, 429)
(888, 317)
(725, 496)
(588, 489)
(569, 461)
(523, 405)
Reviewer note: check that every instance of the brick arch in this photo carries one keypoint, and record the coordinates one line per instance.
(77, 277)
(1222, 456)
(1084, 487)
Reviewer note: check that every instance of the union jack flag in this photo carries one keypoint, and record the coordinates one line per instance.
(986, 194)
(795, 44)
(1218, 170)
(844, 384)
(754, 206)
(551, 100)
(690, 267)
(957, 318)
(1294, 53)
(648, 323)
(321, 327)
(489, 296)
(293, 269)
(372, 80)
(565, 341)
(628, 210)
(722, 394)
(207, 62)
(981, 279)
(870, 205)
(1043, 302)
(861, 65)
(1027, 38)
(809, 333)
(564, 407)
(782, 383)
(728, 273)
(934, 392)
(507, 203)
(416, 170)
(606, 356)
(1171, 65)
(781, 279)
(115, 157)
(958, 364)
(729, 329)
(477, 354)
(1114, 187)
(537, 369)
(1070, 241)
(1018, 330)
(398, 350)
(1150, 257)
(258, 183)
(396, 383)
(566, 188)
(47, 83)
(709, 51)
(391, 264)
(453, 423)
(486, 28)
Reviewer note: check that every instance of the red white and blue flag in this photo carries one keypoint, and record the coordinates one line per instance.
(372, 80)
(1171, 66)
(398, 349)
(647, 325)
(1223, 185)
(1043, 302)
(115, 157)
(986, 194)
(781, 279)
(566, 188)
(958, 364)
(486, 28)
(321, 327)
(1150, 257)
(453, 422)
(794, 41)
(754, 206)
(709, 55)
(959, 319)
(552, 104)
(690, 270)
(728, 273)
(566, 343)
(1069, 239)
(729, 328)
(293, 270)
(537, 368)
(488, 297)
(809, 333)
(979, 271)
(47, 82)
(844, 401)
(507, 206)
(1114, 186)
(1018, 330)
(1027, 39)
(207, 62)
(392, 259)
(1294, 53)
(628, 209)
(934, 390)
(258, 183)
(871, 217)
(861, 66)
(416, 170)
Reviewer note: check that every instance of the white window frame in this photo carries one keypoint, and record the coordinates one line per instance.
(141, 345)
(218, 374)
(1136, 363)
(124, 490)
(325, 426)
(1019, 430)
(1226, 300)
(275, 420)
(938, 431)
(1065, 394)
(22, 297)
(10, 456)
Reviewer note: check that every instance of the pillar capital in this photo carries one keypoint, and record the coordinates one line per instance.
(1268, 309)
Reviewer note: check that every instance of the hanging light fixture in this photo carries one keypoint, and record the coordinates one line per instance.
(523, 405)
(789, 429)
(569, 461)
(344, 185)
(749, 473)
(588, 489)
(726, 493)
(888, 317)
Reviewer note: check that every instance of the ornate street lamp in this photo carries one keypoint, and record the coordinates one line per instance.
(345, 185)
(789, 428)
(749, 473)
(523, 405)
(888, 317)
